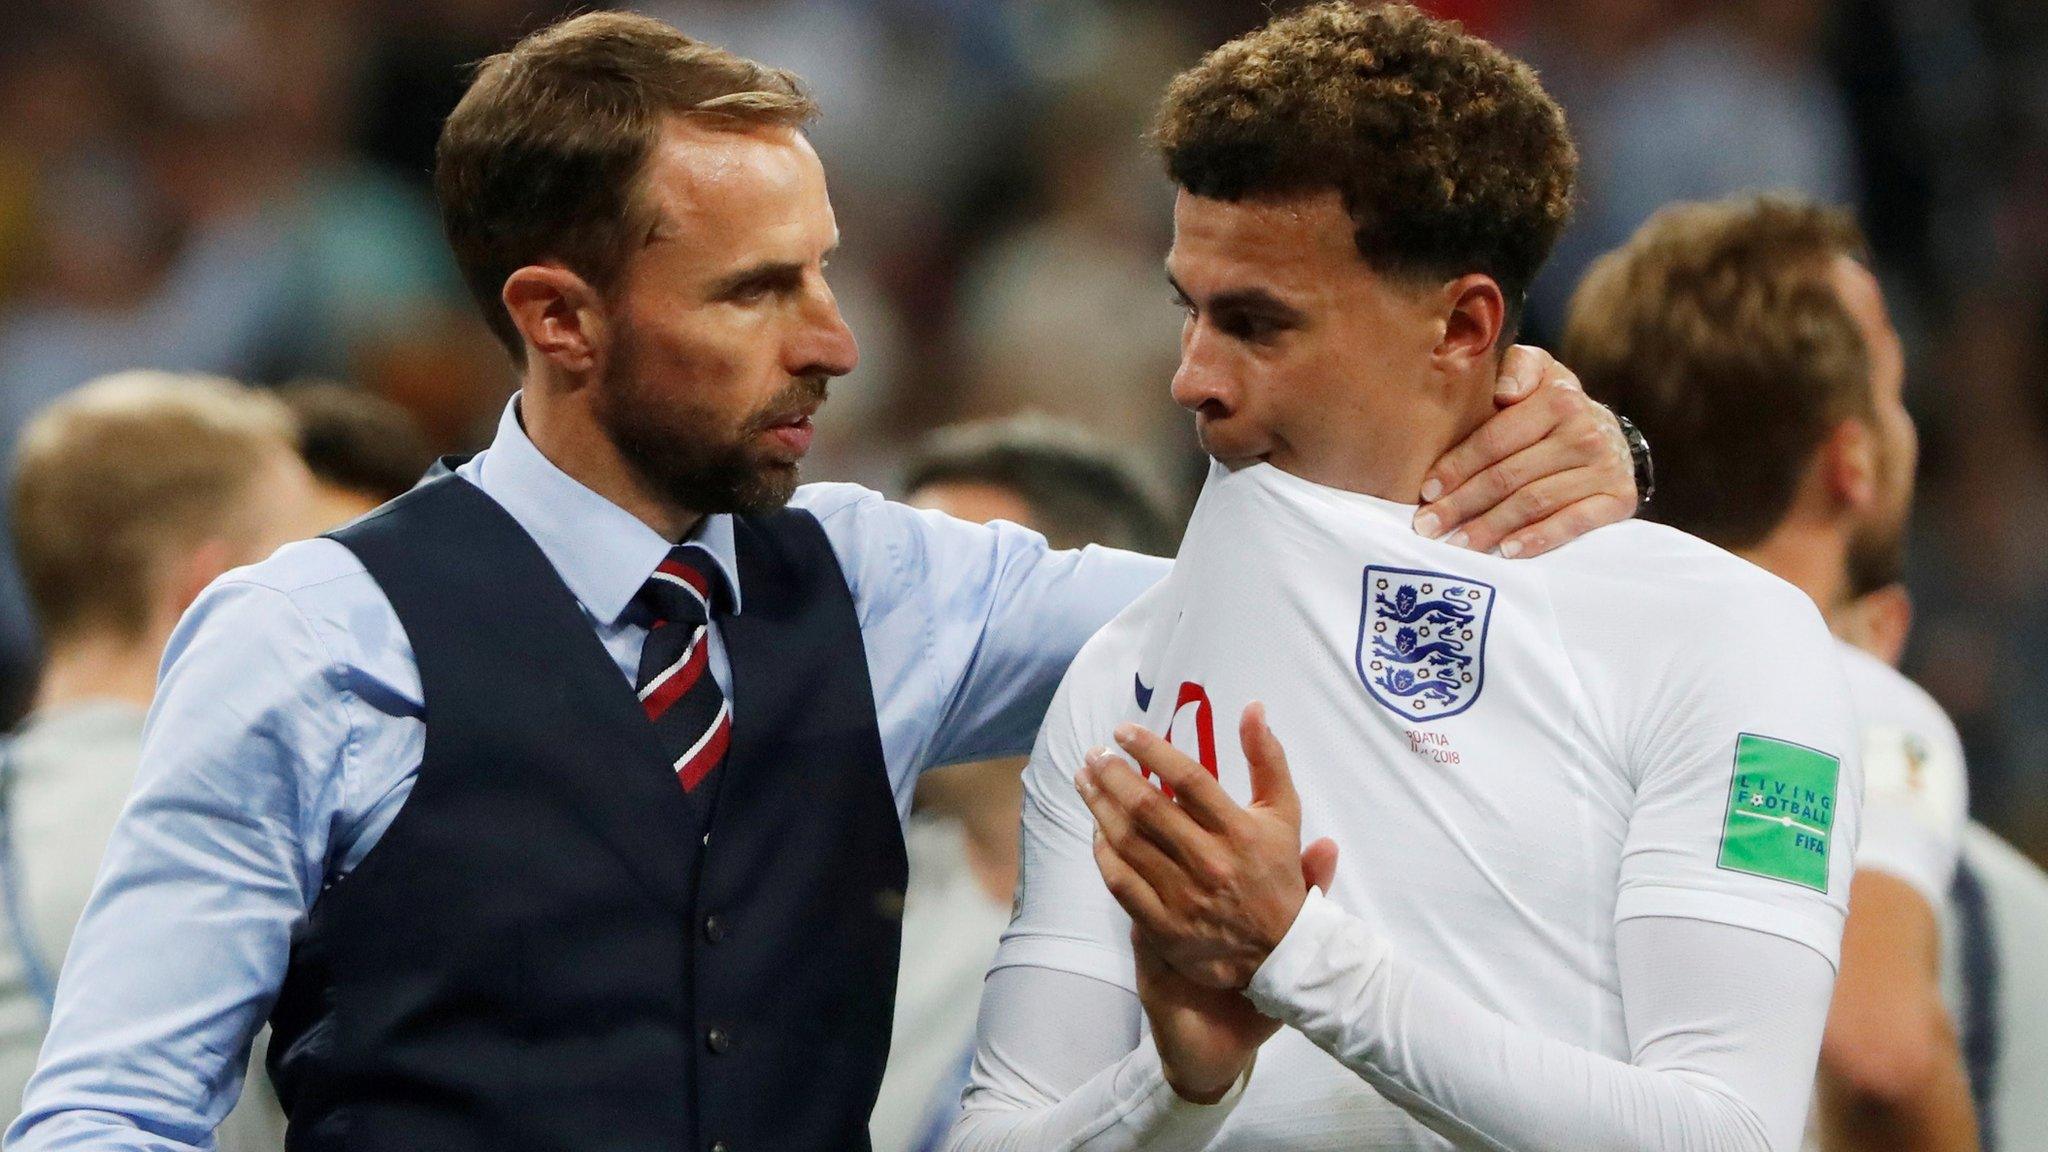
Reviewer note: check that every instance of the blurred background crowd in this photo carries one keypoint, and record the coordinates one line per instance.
(240, 187)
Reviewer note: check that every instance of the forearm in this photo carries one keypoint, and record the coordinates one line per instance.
(1055, 1071)
(1891, 1071)
(1939, 1117)
(1126, 1107)
(1486, 1082)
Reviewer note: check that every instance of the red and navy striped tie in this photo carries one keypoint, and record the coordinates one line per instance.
(689, 712)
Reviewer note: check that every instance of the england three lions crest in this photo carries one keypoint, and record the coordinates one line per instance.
(1422, 640)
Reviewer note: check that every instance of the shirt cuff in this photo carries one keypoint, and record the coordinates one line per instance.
(1302, 962)
(1157, 1117)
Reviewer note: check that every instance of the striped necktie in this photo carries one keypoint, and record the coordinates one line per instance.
(690, 713)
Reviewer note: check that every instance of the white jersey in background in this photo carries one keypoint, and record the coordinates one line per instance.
(1628, 765)
(1995, 978)
(1915, 792)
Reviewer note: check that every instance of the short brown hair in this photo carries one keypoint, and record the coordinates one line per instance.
(541, 160)
(357, 440)
(1080, 489)
(116, 476)
(1449, 155)
(1716, 329)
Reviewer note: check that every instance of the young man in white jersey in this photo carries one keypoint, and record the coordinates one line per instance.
(1595, 809)
(1749, 335)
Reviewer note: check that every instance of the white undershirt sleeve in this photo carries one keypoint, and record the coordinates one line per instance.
(1062, 1066)
(1724, 1025)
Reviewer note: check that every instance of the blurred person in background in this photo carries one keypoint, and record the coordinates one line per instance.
(1688, 101)
(1750, 338)
(1994, 965)
(1995, 978)
(129, 496)
(1059, 480)
(644, 227)
(363, 450)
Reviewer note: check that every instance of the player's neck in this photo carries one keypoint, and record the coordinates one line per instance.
(1385, 449)
(1811, 555)
(100, 667)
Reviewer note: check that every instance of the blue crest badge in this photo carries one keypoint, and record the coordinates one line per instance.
(1422, 640)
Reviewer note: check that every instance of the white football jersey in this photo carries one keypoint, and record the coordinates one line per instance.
(1511, 755)
(1916, 797)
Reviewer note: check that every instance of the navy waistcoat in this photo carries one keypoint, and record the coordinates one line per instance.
(553, 948)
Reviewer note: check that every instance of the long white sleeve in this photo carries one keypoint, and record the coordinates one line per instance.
(1062, 1066)
(1722, 1036)
(1724, 1027)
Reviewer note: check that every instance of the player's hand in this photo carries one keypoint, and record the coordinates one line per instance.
(1549, 467)
(1206, 1037)
(1213, 886)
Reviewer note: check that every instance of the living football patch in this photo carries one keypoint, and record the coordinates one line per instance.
(1781, 811)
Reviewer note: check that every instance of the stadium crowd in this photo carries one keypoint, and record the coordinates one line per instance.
(239, 188)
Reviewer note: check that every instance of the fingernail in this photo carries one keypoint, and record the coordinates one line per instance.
(1428, 525)
(1431, 489)
(1457, 539)
(1083, 783)
(1095, 756)
(1511, 548)
(1126, 734)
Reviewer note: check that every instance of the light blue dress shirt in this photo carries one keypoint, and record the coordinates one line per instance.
(288, 729)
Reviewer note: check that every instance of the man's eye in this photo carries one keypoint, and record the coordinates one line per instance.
(1253, 328)
(753, 293)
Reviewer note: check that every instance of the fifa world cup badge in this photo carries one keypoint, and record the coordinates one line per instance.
(1422, 641)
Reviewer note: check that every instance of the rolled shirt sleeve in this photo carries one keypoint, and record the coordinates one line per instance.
(969, 627)
(220, 852)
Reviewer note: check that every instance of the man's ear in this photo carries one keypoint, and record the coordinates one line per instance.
(1848, 465)
(1475, 315)
(1879, 623)
(560, 315)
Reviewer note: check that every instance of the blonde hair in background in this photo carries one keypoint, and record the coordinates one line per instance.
(1717, 330)
(117, 477)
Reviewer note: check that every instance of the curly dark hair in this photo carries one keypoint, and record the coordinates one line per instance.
(1449, 155)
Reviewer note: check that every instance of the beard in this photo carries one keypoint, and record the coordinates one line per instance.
(1877, 548)
(678, 450)
(1877, 557)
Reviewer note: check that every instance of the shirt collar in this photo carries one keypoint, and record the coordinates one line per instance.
(602, 552)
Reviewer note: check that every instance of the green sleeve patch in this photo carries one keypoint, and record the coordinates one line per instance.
(1781, 810)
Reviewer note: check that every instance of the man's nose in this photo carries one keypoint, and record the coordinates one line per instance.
(1203, 375)
(825, 346)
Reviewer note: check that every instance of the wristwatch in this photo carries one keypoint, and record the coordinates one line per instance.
(1639, 455)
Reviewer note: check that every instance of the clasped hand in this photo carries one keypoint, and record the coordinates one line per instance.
(1211, 886)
